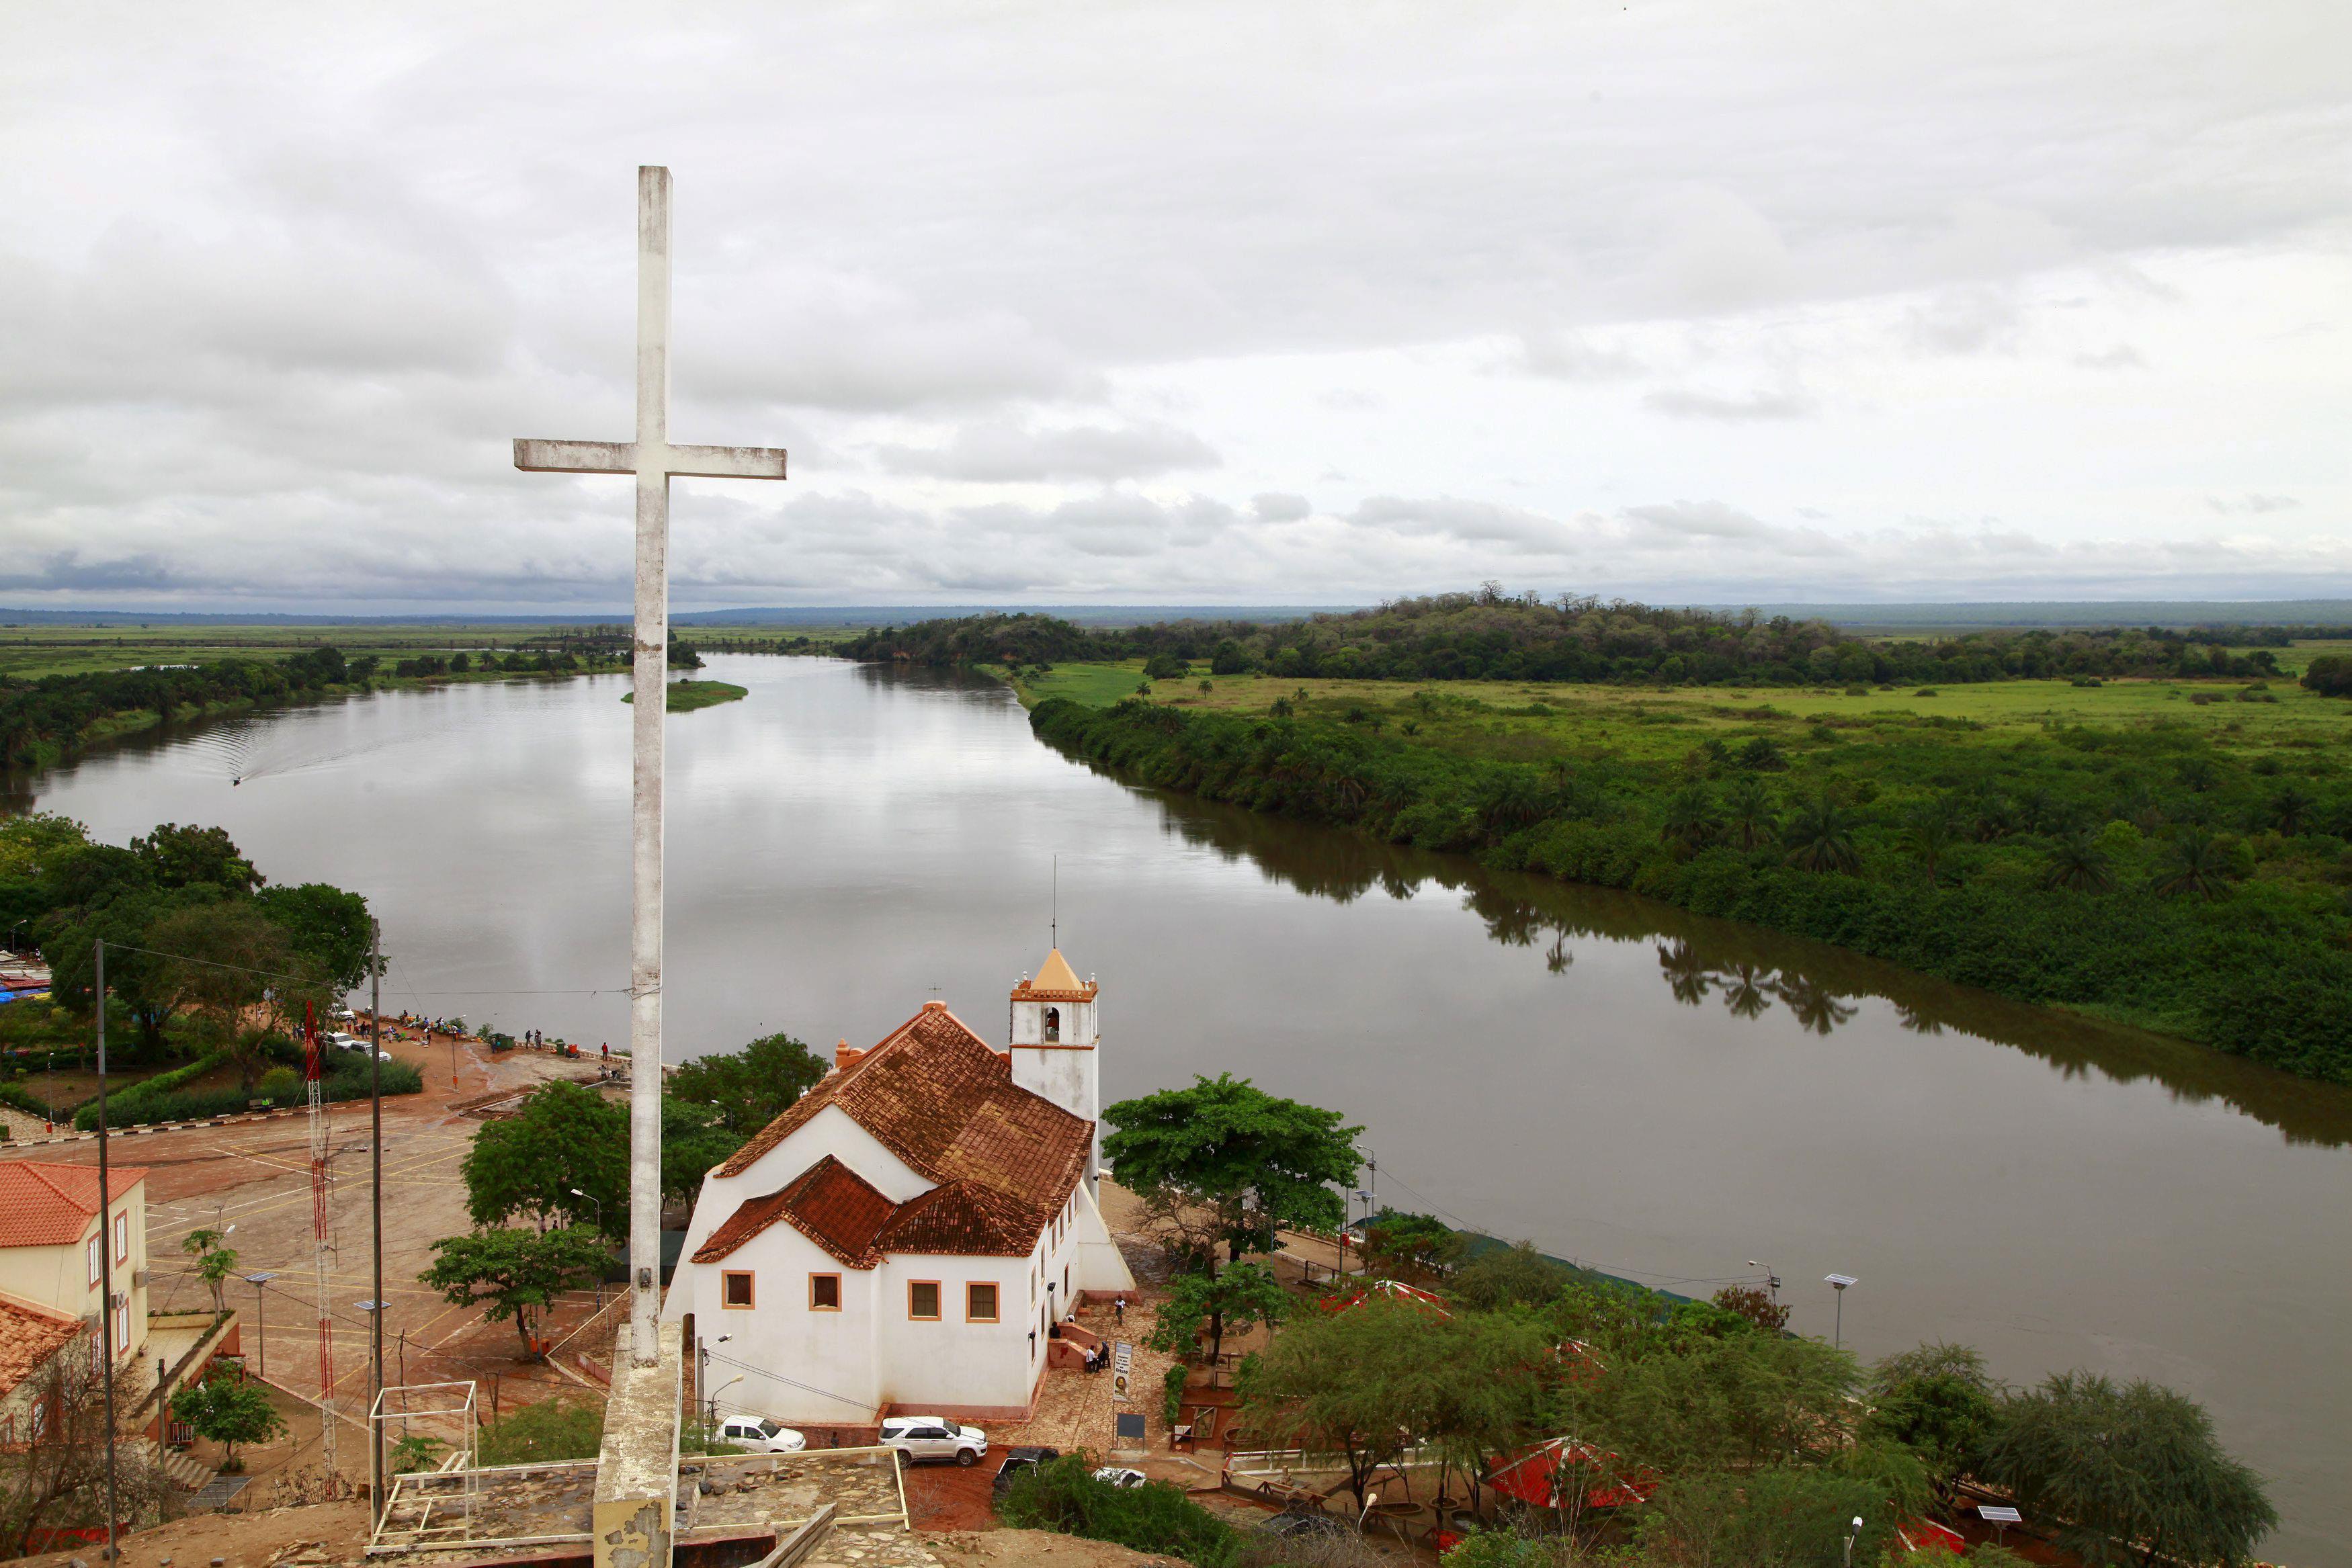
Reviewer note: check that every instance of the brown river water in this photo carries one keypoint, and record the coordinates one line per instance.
(1654, 1094)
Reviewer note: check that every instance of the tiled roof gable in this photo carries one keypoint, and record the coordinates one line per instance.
(44, 1204)
(828, 1203)
(936, 1096)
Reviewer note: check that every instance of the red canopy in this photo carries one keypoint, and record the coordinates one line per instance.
(1387, 1290)
(1533, 1476)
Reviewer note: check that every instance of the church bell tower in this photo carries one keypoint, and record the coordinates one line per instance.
(1055, 1034)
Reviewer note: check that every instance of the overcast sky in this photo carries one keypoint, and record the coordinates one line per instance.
(1184, 303)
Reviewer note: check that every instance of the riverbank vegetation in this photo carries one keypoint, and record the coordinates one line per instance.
(2172, 854)
(45, 718)
(1633, 1426)
(685, 697)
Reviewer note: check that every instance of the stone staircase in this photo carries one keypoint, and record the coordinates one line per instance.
(185, 1473)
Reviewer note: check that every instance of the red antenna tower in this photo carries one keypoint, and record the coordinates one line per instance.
(321, 1184)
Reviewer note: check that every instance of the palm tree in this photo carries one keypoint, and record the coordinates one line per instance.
(1691, 819)
(1929, 834)
(1816, 1006)
(1748, 813)
(2077, 861)
(2290, 808)
(1819, 838)
(2197, 866)
(1688, 974)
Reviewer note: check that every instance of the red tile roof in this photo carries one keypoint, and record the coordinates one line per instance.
(932, 1093)
(45, 1205)
(29, 1334)
(828, 1203)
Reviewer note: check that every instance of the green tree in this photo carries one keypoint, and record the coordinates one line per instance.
(1686, 1402)
(1780, 1517)
(326, 925)
(1165, 667)
(2075, 861)
(693, 1140)
(1260, 1162)
(1930, 832)
(223, 957)
(180, 856)
(215, 1262)
(1365, 1382)
(752, 1087)
(228, 1411)
(1416, 1248)
(1691, 821)
(2117, 1467)
(2196, 865)
(566, 1135)
(1938, 1402)
(1819, 838)
(1501, 1277)
(1244, 1294)
(515, 1274)
(1749, 816)
(1753, 1303)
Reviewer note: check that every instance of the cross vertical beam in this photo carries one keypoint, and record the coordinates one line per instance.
(652, 461)
(649, 672)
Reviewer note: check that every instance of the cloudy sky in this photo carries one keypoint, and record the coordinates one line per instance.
(1182, 303)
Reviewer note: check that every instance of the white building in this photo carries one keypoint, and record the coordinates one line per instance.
(903, 1237)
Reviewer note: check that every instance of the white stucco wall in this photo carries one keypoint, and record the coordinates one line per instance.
(830, 1131)
(1078, 1022)
(59, 1277)
(832, 1353)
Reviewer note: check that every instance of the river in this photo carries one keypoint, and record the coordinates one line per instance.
(1658, 1095)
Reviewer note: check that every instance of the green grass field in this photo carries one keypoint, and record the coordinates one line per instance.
(1518, 721)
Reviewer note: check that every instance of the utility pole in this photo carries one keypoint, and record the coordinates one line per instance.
(105, 1249)
(375, 1157)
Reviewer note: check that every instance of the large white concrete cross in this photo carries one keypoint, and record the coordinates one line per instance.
(653, 460)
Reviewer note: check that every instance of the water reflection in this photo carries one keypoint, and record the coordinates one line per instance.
(1751, 973)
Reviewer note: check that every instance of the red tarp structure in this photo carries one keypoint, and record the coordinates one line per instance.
(1387, 1290)
(1927, 1535)
(1533, 1476)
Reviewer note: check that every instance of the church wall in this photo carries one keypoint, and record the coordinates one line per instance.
(832, 1351)
(1098, 1265)
(955, 1364)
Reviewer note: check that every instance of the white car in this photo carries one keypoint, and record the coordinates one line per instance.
(1121, 1476)
(921, 1438)
(759, 1435)
(339, 1039)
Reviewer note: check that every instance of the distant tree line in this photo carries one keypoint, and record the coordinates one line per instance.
(1491, 635)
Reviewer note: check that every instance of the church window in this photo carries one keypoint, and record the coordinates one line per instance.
(923, 1299)
(735, 1287)
(122, 1238)
(1066, 1281)
(980, 1303)
(1052, 1025)
(825, 1292)
(93, 1263)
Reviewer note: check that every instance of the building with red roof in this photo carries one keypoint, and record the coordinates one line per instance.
(908, 1233)
(50, 1236)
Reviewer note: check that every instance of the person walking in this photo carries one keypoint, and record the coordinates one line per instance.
(1121, 1308)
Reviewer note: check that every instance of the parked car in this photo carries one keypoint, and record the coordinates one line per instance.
(340, 1040)
(342, 1015)
(759, 1435)
(1121, 1476)
(922, 1438)
(1025, 1456)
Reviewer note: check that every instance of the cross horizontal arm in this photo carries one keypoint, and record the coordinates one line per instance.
(728, 461)
(576, 456)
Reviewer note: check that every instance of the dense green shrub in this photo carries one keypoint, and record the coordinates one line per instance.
(1063, 1495)
(550, 1430)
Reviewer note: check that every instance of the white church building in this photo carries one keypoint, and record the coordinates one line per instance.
(902, 1239)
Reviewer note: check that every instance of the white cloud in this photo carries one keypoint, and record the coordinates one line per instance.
(1689, 402)
(1001, 450)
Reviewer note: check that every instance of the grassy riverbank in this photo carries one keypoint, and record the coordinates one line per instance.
(685, 697)
(2173, 854)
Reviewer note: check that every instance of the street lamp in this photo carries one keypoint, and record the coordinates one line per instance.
(702, 1377)
(1850, 1538)
(260, 1321)
(1838, 1282)
(1770, 1277)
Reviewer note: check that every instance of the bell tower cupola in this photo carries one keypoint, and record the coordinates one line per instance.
(1055, 1033)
